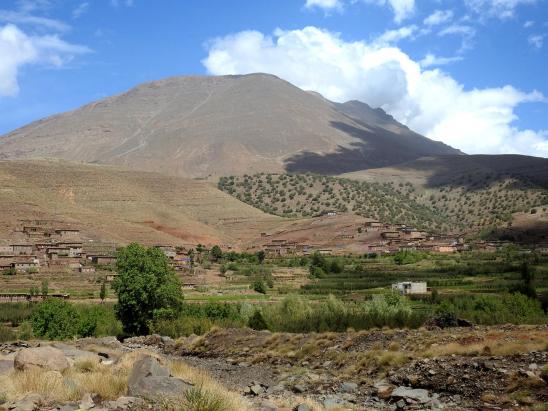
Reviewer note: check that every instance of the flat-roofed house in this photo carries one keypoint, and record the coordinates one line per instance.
(6, 249)
(102, 259)
(22, 249)
(389, 235)
(410, 287)
(68, 233)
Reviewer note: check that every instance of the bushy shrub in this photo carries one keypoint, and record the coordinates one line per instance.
(257, 321)
(55, 319)
(6, 334)
(408, 257)
(495, 309)
(259, 286)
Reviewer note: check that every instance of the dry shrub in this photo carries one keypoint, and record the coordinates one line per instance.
(488, 348)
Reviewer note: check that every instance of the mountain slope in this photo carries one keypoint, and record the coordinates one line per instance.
(115, 204)
(201, 126)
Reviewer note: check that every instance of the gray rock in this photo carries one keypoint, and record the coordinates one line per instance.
(349, 387)
(256, 389)
(46, 357)
(274, 389)
(332, 402)
(122, 403)
(299, 389)
(148, 379)
(67, 407)
(29, 402)
(87, 402)
(268, 406)
(75, 354)
(400, 404)
(302, 407)
(416, 394)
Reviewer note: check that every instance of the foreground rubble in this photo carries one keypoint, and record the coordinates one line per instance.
(455, 369)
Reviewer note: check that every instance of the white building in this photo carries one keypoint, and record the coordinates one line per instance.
(408, 287)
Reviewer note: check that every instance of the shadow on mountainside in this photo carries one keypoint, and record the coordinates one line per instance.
(412, 153)
(377, 147)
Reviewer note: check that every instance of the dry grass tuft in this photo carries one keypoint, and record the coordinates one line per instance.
(207, 391)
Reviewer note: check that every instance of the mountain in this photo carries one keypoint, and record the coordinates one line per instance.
(213, 126)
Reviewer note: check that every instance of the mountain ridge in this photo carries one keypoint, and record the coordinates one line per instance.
(197, 126)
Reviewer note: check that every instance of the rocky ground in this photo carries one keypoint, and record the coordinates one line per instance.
(454, 369)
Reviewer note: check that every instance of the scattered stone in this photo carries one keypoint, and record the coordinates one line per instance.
(299, 388)
(46, 357)
(384, 389)
(256, 389)
(274, 389)
(87, 402)
(29, 402)
(349, 387)
(302, 407)
(332, 402)
(148, 379)
(416, 394)
(268, 406)
(400, 404)
(122, 403)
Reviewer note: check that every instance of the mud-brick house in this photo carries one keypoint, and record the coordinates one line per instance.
(22, 249)
(26, 265)
(102, 259)
(6, 250)
(86, 269)
(390, 235)
(66, 261)
(6, 260)
(373, 226)
(68, 233)
(168, 250)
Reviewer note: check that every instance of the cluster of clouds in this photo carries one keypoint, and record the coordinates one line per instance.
(403, 9)
(428, 100)
(27, 38)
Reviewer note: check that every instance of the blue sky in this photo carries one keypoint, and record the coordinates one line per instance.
(471, 73)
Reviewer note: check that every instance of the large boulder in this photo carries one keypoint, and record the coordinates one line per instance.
(149, 379)
(30, 402)
(46, 357)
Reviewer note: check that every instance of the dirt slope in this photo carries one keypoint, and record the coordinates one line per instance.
(121, 205)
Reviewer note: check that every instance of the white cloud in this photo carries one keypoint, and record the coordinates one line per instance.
(393, 36)
(536, 40)
(428, 101)
(23, 18)
(402, 9)
(118, 3)
(502, 9)
(528, 24)
(80, 10)
(431, 60)
(438, 17)
(19, 49)
(325, 5)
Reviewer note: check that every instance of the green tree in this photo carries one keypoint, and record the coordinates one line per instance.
(45, 288)
(216, 253)
(103, 291)
(260, 256)
(146, 286)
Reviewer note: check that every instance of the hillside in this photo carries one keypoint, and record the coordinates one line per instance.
(202, 126)
(307, 195)
(470, 202)
(121, 205)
